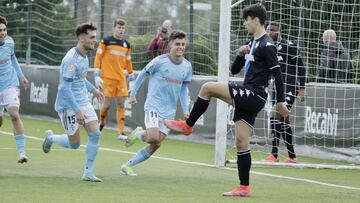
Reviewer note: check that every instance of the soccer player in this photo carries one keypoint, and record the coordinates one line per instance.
(72, 103)
(112, 57)
(258, 57)
(293, 72)
(10, 73)
(169, 76)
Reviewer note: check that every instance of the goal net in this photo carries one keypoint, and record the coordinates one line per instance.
(327, 123)
(43, 30)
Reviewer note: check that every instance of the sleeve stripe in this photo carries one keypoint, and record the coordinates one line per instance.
(274, 67)
(295, 56)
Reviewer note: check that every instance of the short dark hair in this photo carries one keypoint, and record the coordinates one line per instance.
(276, 24)
(84, 27)
(177, 34)
(3, 20)
(255, 10)
(119, 21)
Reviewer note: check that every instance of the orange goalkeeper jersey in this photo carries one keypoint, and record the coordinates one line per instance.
(112, 57)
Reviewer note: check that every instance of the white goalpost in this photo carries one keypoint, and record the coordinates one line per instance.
(223, 76)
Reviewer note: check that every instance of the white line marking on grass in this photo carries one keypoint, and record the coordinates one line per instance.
(209, 165)
(38, 149)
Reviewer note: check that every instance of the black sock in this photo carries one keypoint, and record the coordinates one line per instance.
(244, 165)
(101, 127)
(198, 109)
(288, 140)
(276, 132)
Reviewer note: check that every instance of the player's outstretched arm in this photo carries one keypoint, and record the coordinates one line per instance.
(184, 92)
(98, 95)
(280, 96)
(138, 82)
(24, 82)
(132, 100)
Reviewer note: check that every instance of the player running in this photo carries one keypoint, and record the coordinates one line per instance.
(10, 73)
(169, 76)
(72, 103)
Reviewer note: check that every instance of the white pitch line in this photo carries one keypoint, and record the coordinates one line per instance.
(38, 149)
(210, 165)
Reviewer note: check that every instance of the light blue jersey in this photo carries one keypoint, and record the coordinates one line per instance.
(167, 81)
(73, 86)
(9, 66)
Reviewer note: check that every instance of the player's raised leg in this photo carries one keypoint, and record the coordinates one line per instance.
(155, 133)
(135, 135)
(207, 91)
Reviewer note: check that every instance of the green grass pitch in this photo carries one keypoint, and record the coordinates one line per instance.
(180, 172)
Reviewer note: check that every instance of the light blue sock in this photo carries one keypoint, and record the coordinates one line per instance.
(91, 150)
(61, 140)
(139, 157)
(20, 143)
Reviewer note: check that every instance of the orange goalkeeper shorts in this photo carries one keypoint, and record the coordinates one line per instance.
(114, 88)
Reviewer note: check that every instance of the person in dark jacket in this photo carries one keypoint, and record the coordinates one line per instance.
(335, 62)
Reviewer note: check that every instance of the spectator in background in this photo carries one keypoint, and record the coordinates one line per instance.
(335, 62)
(159, 44)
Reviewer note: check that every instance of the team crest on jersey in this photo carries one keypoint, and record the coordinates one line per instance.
(279, 47)
(70, 67)
(183, 73)
(125, 45)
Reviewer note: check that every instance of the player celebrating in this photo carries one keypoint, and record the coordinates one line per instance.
(258, 57)
(293, 72)
(10, 72)
(72, 103)
(112, 57)
(169, 75)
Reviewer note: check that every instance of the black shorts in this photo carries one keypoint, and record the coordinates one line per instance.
(247, 103)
